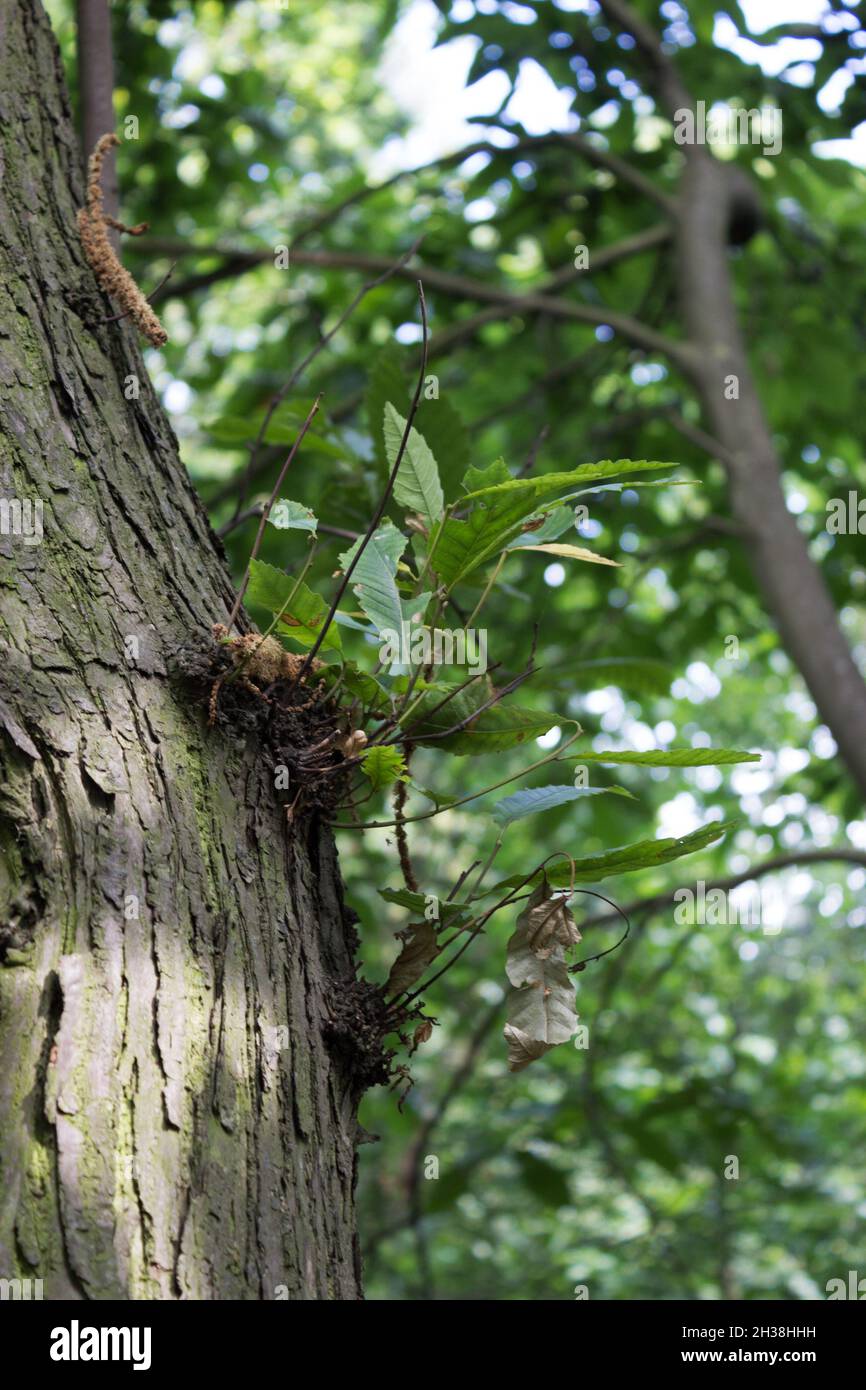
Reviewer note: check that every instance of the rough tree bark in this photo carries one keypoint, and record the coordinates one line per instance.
(174, 1120)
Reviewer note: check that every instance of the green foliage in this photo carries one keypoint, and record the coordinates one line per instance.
(498, 513)
(417, 484)
(292, 516)
(441, 707)
(673, 757)
(625, 860)
(384, 766)
(298, 611)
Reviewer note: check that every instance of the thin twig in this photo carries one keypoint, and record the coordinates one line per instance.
(380, 510)
(266, 511)
(310, 357)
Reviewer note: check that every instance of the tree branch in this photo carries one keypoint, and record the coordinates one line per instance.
(593, 151)
(671, 89)
(462, 287)
(96, 94)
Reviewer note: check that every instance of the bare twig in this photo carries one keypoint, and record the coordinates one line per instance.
(266, 511)
(391, 268)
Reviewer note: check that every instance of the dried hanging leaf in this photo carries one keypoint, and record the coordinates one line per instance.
(419, 950)
(521, 1049)
(540, 1004)
(545, 923)
(543, 1007)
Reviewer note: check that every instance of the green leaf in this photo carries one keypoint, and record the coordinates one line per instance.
(373, 579)
(284, 427)
(499, 511)
(530, 800)
(546, 484)
(362, 686)
(568, 552)
(500, 726)
(548, 526)
(234, 430)
(292, 516)
(239, 431)
(346, 620)
(447, 437)
(384, 765)
(640, 674)
(273, 589)
(389, 540)
(417, 483)
(476, 479)
(269, 587)
(671, 757)
(441, 800)
(450, 913)
(630, 487)
(626, 859)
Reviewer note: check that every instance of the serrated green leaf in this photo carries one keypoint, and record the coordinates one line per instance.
(639, 483)
(475, 479)
(361, 686)
(373, 579)
(303, 610)
(623, 860)
(671, 757)
(546, 484)
(439, 423)
(417, 483)
(384, 765)
(547, 527)
(450, 913)
(292, 516)
(498, 512)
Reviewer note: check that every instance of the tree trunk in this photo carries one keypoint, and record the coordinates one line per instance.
(176, 1119)
(791, 583)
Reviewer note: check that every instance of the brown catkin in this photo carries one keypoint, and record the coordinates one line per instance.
(116, 281)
